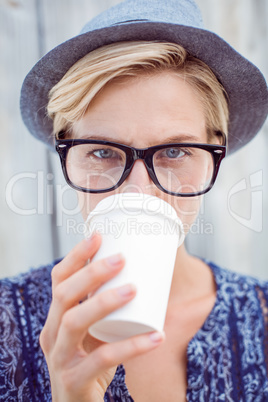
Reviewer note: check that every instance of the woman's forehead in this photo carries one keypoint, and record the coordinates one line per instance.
(155, 108)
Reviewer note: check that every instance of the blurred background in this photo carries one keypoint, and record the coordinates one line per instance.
(40, 220)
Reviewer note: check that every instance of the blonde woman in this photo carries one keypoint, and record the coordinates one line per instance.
(143, 90)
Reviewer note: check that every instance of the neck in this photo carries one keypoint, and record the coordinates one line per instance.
(191, 278)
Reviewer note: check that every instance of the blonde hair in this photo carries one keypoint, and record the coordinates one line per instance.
(70, 98)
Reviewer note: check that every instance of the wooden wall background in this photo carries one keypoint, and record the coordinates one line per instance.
(39, 217)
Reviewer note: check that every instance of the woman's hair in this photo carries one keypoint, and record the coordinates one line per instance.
(70, 98)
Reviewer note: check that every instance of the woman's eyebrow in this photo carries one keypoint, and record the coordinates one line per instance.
(169, 140)
(97, 137)
(181, 138)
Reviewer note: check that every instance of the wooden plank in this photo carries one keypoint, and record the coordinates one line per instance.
(23, 232)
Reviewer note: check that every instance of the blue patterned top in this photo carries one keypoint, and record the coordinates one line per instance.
(227, 358)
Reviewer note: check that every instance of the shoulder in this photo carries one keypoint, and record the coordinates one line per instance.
(229, 351)
(24, 304)
(33, 281)
(33, 275)
(242, 297)
(30, 290)
(232, 281)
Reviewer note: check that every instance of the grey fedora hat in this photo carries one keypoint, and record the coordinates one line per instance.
(177, 21)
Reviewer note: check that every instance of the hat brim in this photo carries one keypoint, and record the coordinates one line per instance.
(243, 82)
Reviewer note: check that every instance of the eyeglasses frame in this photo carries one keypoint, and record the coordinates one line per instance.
(218, 152)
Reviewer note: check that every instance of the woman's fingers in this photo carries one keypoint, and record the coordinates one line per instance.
(76, 259)
(75, 288)
(76, 321)
(68, 293)
(111, 355)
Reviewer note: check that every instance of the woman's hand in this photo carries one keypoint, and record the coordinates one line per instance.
(81, 367)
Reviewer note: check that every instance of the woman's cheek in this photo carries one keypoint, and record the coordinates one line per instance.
(87, 202)
(187, 210)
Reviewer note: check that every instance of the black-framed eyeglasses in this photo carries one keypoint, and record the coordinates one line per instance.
(180, 169)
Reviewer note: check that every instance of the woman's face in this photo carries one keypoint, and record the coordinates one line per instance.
(142, 112)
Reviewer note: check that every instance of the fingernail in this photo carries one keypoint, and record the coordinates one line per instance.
(90, 239)
(114, 260)
(157, 337)
(126, 290)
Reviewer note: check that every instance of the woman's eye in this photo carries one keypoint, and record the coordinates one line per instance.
(173, 153)
(105, 153)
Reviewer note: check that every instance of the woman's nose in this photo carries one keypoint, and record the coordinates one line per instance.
(139, 180)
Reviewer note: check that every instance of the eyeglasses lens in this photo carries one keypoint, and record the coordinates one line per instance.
(95, 166)
(184, 170)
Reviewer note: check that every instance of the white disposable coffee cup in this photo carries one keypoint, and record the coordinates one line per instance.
(148, 232)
